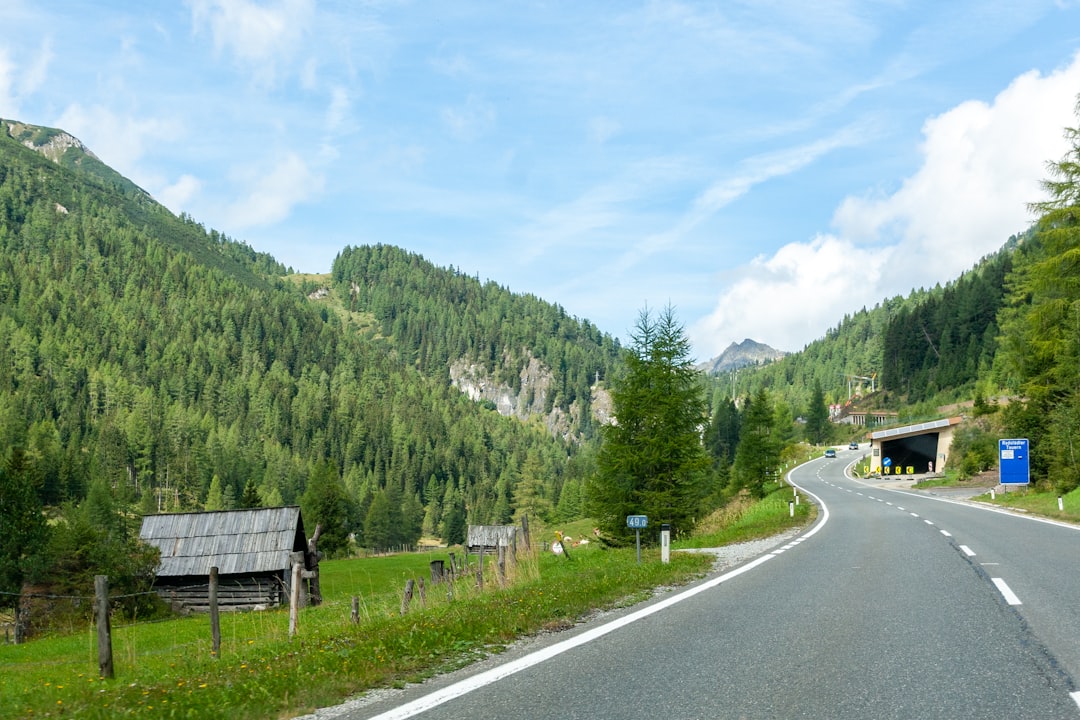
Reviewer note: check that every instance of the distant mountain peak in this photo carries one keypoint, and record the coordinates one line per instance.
(737, 355)
(68, 151)
(50, 142)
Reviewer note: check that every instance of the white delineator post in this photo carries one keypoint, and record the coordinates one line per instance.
(665, 543)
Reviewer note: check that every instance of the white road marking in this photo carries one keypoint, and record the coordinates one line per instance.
(914, 514)
(1006, 591)
(1076, 697)
(900, 508)
(946, 533)
(967, 551)
(928, 522)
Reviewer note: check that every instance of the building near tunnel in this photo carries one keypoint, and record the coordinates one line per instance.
(912, 449)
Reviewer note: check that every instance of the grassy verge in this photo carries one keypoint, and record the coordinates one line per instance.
(1039, 503)
(166, 669)
(746, 519)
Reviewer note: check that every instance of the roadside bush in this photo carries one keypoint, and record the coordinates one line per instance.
(975, 447)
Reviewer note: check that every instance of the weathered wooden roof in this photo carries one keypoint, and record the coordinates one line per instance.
(235, 541)
(491, 535)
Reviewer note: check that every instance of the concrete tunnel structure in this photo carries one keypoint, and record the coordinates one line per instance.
(913, 449)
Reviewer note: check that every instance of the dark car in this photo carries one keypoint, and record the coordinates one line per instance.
(830, 453)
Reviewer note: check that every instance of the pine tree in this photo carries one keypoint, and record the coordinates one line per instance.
(21, 524)
(817, 416)
(758, 455)
(652, 460)
(215, 497)
(325, 502)
(250, 498)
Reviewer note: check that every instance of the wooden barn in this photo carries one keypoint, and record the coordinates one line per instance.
(253, 550)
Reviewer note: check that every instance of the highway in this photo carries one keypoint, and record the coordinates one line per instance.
(894, 604)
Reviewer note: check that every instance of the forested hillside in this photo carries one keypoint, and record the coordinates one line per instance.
(933, 345)
(179, 366)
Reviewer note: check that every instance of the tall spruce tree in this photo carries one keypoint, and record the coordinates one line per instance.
(652, 461)
(21, 523)
(758, 454)
(1040, 350)
(817, 416)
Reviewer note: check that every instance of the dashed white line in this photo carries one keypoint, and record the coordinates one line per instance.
(946, 533)
(1006, 591)
(967, 551)
(928, 522)
(914, 514)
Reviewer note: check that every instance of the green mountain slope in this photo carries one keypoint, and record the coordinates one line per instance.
(932, 346)
(139, 347)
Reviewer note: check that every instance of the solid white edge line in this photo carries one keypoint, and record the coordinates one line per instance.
(1076, 698)
(1006, 591)
(488, 677)
(967, 551)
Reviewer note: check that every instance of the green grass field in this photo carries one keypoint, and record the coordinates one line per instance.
(166, 669)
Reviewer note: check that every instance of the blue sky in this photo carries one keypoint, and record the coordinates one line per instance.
(763, 167)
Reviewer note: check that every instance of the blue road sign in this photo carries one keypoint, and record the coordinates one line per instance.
(887, 462)
(1013, 463)
(637, 521)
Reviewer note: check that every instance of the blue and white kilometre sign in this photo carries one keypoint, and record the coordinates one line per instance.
(637, 521)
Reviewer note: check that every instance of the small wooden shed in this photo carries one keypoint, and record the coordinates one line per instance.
(253, 551)
(489, 538)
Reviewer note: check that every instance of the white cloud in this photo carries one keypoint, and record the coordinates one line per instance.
(982, 164)
(721, 193)
(17, 81)
(9, 103)
(469, 121)
(274, 193)
(259, 37)
(178, 196)
(602, 129)
(338, 111)
(119, 140)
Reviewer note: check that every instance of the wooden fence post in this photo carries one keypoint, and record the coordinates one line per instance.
(355, 609)
(502, 564)
(480, 570)
(407, 597)
(423, 593)
(525, 533)
(215, 620)
(294, 597)
(104, 630)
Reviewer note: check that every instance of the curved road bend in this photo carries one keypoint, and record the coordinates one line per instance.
(893, 605)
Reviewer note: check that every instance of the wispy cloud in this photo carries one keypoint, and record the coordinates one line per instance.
(274, 191)
(260, 38)
(982, 163)
(471, 120)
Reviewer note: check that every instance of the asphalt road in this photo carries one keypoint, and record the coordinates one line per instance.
(895, 604)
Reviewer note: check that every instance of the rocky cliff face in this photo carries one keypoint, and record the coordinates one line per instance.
(49, 142)
(531, 399)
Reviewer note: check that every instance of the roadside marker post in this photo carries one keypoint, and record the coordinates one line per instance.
(665, 543)
(637, 522)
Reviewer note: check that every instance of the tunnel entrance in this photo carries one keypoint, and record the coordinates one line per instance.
(912, 449)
